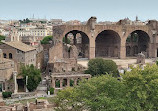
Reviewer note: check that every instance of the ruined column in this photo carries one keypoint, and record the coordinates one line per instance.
(15, 82)
(26, 84)
(53, 82)
(68, 82)
(61, 83)
(153, 50)
(75, 41)
(75, 81)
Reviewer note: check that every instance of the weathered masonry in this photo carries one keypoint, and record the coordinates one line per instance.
(118, 40)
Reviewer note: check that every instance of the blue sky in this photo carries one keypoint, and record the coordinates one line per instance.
(104, 10)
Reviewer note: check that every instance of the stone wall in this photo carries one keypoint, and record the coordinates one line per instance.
(123, 29)
(40, 60)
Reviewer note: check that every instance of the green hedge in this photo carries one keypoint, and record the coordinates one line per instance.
(6, 94)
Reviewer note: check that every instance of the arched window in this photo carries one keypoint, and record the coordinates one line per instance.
(10, 56)
(4, 55)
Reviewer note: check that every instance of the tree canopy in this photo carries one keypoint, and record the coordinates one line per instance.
(2, 38)
(47, 39)
(100, 66)
(136, 91)
(25, 21)
(34, 76)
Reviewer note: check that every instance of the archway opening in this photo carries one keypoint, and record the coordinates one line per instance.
(107, 44)
(137, 42)
(81, 42)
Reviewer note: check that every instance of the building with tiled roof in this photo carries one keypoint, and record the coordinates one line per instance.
(19, 52)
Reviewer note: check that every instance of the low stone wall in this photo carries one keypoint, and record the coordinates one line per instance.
(23, 95)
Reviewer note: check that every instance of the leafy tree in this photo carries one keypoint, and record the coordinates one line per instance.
(136, 91)
(47, 39)
(142, 88)
(98, 94)
(2, 38)
(25, 21)
(34, 76)
(100, 66)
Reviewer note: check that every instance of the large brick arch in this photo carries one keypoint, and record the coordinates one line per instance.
(101, 28)
(139, 41)
(145, 29)
(145, 32)
(81, 42)
(114, 31)
(82, 29)
(107, 44)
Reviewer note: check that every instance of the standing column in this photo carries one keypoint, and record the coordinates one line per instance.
(53, 82)
(68, 82)
(26, 84)
(154, 50)
(75, 41)
(61, 83)
(75, 81)
(15, 82)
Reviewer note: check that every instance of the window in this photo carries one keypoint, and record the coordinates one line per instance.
(4, 55)
(10, 56)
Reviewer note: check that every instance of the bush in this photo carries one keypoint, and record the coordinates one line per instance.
(47, 39)
(2, 38)
(157, 63)
(6, 94)
(51, 90)
(100, 66)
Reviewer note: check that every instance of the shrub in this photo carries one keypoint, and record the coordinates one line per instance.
(47, 39)
(157, 63)
(6, 94)
(51, 90)
(100, 66)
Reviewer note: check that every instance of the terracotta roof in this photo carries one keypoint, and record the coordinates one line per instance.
(21, 46)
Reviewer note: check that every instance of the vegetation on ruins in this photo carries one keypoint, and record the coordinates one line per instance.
(100, 66)
(47, 39)
(135, 91)
(2, 38)
(34, 76)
